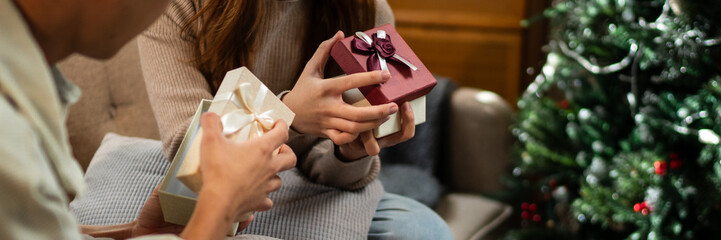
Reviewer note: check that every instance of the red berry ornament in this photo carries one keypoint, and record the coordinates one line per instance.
(645, 211)
(524, 206)
(660, 167)
(525, 215)
(529, 212)
(641, 207)
(675, 162)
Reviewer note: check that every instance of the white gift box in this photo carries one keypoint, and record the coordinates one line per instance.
(248, 109)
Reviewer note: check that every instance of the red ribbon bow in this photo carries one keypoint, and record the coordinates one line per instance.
(380, 49)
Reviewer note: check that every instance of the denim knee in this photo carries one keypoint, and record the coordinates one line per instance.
(399, 217)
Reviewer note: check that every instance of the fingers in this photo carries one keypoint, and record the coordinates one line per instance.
(345, 83)
(354, 128)
(285, 159)
(357, 144)
(283, 149)
(370, 143)
(212, 129)
(274, 184)
(262, 205)
(316, 64)
(369, 113)
(408, 121)
(244, 224)
(276, 137)
(266, 205)
(408, 128)
(339, 137)
(154, 194)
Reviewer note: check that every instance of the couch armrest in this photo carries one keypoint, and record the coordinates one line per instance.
(472, 217)
(480, 141)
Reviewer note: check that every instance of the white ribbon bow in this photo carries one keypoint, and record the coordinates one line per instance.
(384, 66)
(248, 118)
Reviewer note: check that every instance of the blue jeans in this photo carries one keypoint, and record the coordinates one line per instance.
(399, 217)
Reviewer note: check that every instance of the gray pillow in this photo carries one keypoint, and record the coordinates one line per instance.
(125, 170)
(121, 176)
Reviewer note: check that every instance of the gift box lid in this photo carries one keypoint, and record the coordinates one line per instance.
(405, 84)
(177, 201)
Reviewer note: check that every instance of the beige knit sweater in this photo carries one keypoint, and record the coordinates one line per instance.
(176, 86)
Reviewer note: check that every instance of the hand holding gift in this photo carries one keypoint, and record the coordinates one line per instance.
(383, 48)
(248, 110)
(242, 184)
(367, 144)
(241, 151)
(245, 171)
(319, 107)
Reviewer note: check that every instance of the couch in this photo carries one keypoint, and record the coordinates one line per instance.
(476, 138)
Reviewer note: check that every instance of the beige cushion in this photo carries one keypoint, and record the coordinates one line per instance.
(471, 216)
(114, 100)
(480, 141)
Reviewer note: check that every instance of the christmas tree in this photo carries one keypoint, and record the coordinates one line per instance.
(618, 136)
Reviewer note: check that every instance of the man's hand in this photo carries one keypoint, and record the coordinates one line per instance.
(237, 177)
(151, 221)
(244, 172)
(319, 106)
(367, 144)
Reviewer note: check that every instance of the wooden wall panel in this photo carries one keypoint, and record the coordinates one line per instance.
(477, 43)
(484, 60)
(469, 13)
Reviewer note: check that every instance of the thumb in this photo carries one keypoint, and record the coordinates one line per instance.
(316, 64)
(212, 129)
(277, 136)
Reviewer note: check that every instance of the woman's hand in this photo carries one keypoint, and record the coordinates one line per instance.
(367, 144)
(237, 177)
(319, 106)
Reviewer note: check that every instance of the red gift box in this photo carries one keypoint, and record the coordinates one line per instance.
(360, 53)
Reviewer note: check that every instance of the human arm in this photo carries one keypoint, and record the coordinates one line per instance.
(320, 109)
(344, 166)
(347, 165)
(318, 102)
(175, 86)
(235, 185)
(329, 116)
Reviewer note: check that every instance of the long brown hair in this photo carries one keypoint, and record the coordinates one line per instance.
(229, 30)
